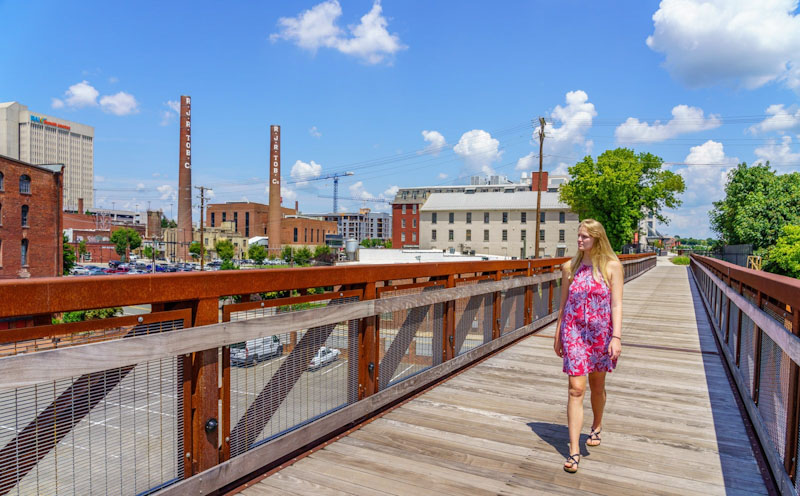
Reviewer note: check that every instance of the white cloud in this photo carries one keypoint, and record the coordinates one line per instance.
(740, 42)
(81, 94)
(780, 119)
(706, 172)
(302, 172)
(167, 192)
(140, 187)
(174, 105)
(391, 191)
(436, 142)
(287, 194)
(56, 103)
(314, 132)
(685, 119)
(316, 28)
(479, 151)
(528, 162)
(560, 143)
(779, 153)
(173, 108)
(119, 104)
(113, 80)
(357, 190)
(442, 175)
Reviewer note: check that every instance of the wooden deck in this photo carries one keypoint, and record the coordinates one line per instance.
(671, 427)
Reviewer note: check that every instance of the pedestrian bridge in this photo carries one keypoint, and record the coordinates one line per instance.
(445, 383)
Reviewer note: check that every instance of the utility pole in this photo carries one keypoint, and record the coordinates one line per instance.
(539, 190)
(203, 190)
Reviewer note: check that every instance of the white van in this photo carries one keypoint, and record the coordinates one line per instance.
(255, 350)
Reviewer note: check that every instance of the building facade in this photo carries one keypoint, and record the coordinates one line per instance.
(249, 219)
(360, 225)
(30, 219)
(408, 201)
(37, 138)
(497, 223)
(306, 231)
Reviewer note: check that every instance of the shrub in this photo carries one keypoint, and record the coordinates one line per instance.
(682, 260)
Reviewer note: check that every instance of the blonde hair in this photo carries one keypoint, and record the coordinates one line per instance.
(601, 252)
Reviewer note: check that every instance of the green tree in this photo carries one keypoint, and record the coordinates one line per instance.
(68, 255)
(148, 252)
(287, 254)
(784, 256)
(757, 204)
(619, 189)
(166, 223)
(196, 249)
(321, 250)
(125, 239)
(82, 249)
(257, 253)
(81, 315)
(302, 256)
(224, 249)
(228, 264)
(387, 244)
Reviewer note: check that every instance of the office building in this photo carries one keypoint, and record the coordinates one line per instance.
(36, 138)
(360, 225)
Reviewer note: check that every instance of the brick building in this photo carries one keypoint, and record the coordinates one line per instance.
(306, 231)
(30, 219)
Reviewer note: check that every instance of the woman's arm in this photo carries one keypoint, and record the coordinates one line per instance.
(617, 276)
(565, 270)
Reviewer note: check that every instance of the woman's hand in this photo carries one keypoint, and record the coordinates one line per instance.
(615, 347)
(558, 348)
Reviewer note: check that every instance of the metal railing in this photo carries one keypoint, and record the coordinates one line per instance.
(139, 404)
(756, 318)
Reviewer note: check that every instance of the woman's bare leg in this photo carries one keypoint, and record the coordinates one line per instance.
(597, 385)
(577, 389)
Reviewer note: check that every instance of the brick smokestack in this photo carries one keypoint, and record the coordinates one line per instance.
(185, 179)
(296, 206)
(80, 206)
(535, 181)
(274, 219)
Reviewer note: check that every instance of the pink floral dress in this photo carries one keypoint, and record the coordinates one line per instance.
(586, 325)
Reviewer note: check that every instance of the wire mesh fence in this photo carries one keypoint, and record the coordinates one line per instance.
(473, 315)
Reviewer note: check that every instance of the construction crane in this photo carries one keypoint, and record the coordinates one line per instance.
(335, 176)
(374, 200)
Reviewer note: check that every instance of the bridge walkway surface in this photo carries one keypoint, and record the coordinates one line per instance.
(672, 424)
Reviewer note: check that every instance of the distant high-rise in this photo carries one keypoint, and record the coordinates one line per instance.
(38, 139)
(185, 179)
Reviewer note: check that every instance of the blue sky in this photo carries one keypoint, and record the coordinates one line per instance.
(409, 93)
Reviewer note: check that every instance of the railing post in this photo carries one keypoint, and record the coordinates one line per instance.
(368, 343)
(449, 331)
(528, 301)
(739, 330)
(550, 294)
(757, 352)
(496, 307)
(204, 394)
(792, 407)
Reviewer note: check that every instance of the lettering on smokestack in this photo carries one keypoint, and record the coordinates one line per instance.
(185, 179)
(274, 229)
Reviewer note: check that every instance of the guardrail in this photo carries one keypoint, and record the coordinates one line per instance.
(756, 318)
(137, 404)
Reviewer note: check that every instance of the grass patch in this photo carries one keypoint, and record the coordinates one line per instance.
(682, 260)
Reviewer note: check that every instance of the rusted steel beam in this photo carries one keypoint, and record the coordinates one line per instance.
(225, 396)
(205, 393)
(792, 408)
(528, 299)
(449, 324)
(496, 308)
(368, 349)
(279, 302)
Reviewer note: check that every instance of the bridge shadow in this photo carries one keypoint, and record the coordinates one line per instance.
(557, 435)
(722, 399)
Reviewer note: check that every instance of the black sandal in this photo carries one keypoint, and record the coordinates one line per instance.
(573, 463)
(594, 436)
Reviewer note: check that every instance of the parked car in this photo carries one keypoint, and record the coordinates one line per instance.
(323, 357)
(96, 271)
(80, 271)
(255, 350)
(114, 263)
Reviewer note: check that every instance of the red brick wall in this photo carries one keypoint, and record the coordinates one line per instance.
(44, 231)
(259, 216)
(309, 231)
(409, 230)
(535, 181)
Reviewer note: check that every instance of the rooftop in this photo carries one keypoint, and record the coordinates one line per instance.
(505, 200)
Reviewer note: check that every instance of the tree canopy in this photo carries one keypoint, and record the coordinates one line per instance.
(784, 256)
(620, 189)
(257, 253)
(124, 239)
(757, 204)
(224, 249)
(196, 249)
(68, 255)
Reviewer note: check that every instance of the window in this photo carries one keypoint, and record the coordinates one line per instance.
(523, 218)
(505, 217)
(1, 181)
(404, 207)
(451, 217)
(24, 253)
(24, 184)
(403, 223)
(541, 235)
(433, 218)
(523, 235)
(560, 252)
(433, 235)
(561, 217)
(450, 236)
(403, 237)
(236, 221)
(224, 214)
(414, 206)
(486, 217)
(295, 235)
(469, 235)
(505, 234)
(414, 222)
(247, 224)
(560, 235)
(305, 235)
(486, 235)
(24, 216)
(405, 195)
(212, 219)
(413, 237)
(541, 218)
(469, 217)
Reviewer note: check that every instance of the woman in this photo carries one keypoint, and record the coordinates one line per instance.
(589, 336)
